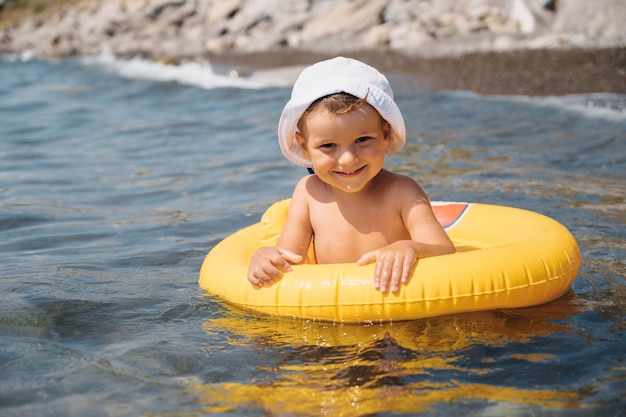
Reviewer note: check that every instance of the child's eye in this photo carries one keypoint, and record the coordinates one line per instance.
(363, 139)
(327, 145)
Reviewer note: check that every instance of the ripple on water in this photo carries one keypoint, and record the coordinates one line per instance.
(113, 190)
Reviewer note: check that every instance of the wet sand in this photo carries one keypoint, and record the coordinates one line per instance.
(526, 72)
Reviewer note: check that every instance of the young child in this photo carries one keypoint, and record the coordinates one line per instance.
(341, 120)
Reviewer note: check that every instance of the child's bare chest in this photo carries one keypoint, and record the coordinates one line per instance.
(345, 235)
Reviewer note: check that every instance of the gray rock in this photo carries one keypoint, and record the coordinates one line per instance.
(188, 29)
(600, 19)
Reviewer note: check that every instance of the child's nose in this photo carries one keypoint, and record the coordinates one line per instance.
(348, 156)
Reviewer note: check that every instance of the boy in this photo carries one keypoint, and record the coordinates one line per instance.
(341, 120)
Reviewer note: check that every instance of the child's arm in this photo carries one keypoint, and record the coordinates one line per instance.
(394, 262)
(268, 264)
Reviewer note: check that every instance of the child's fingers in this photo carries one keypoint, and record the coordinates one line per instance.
(266, 275)
(383, 272)
(277, 265)
(393, 267)
(391, 272)
(254, 281)
(272, 268)
(396, 276)
(291, 257)
(407, 269)
(401, 273)
(368, 258)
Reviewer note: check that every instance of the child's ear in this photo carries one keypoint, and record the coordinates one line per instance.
(387, 133)
(302, 143)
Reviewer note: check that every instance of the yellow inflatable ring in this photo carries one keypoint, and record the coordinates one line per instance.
(506, 258)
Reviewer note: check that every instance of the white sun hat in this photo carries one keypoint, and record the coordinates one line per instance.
(335, 76)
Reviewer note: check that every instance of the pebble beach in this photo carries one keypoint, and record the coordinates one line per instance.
(529, 47)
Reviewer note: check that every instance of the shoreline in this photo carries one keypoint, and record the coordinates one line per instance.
(532, 72)
(523, 47)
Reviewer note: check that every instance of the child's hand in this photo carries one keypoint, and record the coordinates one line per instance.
(268, 264)
(394, 264)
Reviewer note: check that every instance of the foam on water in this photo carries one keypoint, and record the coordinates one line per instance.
(199, 74)
(597, 105)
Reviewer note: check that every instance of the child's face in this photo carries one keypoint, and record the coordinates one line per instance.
(347, 150)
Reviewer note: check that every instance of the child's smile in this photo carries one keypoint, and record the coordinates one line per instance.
(350, 174)
(347, 150)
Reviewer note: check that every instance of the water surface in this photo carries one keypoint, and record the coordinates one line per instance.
(115, 183)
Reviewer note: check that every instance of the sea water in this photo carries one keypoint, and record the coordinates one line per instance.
(117, 177)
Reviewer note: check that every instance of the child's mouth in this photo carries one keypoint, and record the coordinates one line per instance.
(350, 173)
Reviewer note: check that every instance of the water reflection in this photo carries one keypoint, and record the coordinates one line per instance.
(339, 369)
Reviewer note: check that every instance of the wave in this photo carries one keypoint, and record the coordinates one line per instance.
(608, 106)
(599, 104)
(198, 74)
(23, 56)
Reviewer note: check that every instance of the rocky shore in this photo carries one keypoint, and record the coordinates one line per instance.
(535, 47)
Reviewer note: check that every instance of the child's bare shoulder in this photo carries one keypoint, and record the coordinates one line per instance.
(402, 183)
(310, 185)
